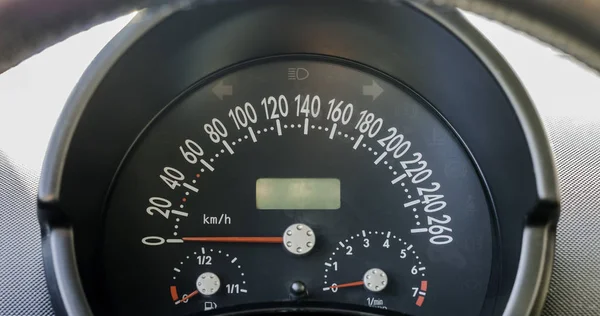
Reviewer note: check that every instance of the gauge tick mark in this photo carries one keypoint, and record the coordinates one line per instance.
(380, 158)
(207, 165)
(333, 128)
(399, 178)
(227, 147)
(251, 132)
(278, 123)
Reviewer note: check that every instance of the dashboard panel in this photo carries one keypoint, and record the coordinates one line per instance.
(281, 185)
(362, 67)
(320, 146)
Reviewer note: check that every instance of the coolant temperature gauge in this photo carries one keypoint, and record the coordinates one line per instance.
(374, 267)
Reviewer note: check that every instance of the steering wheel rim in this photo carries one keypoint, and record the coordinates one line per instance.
(571, 26)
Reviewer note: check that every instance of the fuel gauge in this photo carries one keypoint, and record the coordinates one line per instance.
(207, 277)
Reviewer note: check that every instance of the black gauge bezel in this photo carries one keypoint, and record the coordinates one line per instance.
(431, 51)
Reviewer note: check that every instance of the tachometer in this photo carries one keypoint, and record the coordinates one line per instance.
(293, 167)
(378, 268)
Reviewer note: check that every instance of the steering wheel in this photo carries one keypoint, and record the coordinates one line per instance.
(29, 26)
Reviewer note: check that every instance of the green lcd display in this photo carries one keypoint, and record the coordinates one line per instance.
(298, 194)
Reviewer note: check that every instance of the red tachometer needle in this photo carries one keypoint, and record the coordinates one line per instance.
(259, 240)
(351, 284)
(188, 297)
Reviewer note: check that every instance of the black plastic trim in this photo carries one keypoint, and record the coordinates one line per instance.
(58, 146)
(537, 252)
(62, 274)
(543, 161)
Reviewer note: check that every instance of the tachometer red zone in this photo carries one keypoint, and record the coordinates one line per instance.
(422, 292)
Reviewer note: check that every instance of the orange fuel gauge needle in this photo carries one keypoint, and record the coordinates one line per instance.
(188, 297)
(256, 240)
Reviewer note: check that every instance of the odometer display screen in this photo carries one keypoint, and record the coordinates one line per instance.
(298, 194)
(307, 180)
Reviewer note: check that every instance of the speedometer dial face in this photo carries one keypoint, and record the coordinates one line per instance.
(298, 180)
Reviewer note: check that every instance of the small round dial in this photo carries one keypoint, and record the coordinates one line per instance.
(378, 269)
(205, 277)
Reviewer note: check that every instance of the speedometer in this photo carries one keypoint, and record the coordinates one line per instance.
(305, 173)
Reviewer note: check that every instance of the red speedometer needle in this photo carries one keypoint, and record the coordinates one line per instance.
(187, 297)
(351, 284)
(258, 240)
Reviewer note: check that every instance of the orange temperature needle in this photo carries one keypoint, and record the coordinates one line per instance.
(351, 284)
(188, 297)
(259, 240)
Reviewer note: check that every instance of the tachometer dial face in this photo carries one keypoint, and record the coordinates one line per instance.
(305, 180)
(355, 270)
